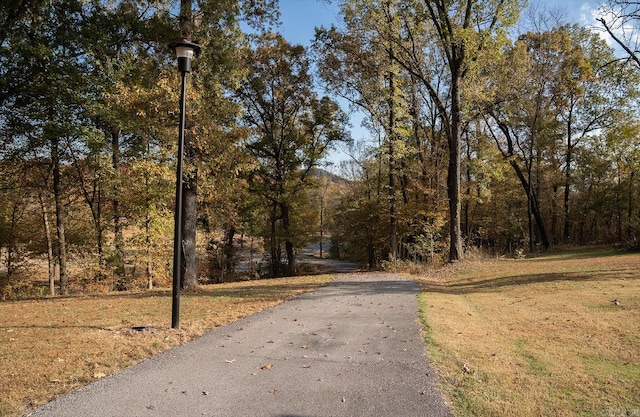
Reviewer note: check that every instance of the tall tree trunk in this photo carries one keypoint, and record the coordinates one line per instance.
(47, 234)
(274, 264)
(189, 225)
(532, 234)
(321, 224)
(60, 216)
(288, 244)
(391, 128)
(453, 173)
(229, 250)
(467, 202)
(371, 249)
(189, 188)
(415, 125)
(533, 204)
(566, 234)
(630, 206)
(554, 214)
(618, 204)
(147, 241)
(118, 240)
(186, 19)
(99, 228)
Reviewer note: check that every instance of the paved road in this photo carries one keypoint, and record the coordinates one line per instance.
(352, 348)
(327, 266)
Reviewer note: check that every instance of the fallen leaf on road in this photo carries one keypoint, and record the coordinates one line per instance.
(269, 366)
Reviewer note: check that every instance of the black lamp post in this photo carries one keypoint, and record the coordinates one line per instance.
(184, 52)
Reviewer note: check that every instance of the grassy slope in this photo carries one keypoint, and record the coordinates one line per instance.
(538, 337)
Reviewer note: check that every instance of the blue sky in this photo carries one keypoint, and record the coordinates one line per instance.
(300, 17)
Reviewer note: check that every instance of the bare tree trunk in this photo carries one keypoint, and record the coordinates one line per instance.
(566, 235)
(453, 174)
(618, 205)
(147, 241)
(393, 221)
(60, 216)
(99, 230)
(118, 239)
(467, 202)
(288, 245)
(274, 265)
(189, 224)
(47, 234)
(229, 250)
(630, 206)
(321, 224)
(554, 214)
(189, 190)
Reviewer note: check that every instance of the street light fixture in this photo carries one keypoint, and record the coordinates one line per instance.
(184, 52)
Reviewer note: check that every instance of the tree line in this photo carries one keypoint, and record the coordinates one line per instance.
(487, 129)
(493, 128)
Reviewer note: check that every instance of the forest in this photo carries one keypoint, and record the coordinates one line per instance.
(493, 126)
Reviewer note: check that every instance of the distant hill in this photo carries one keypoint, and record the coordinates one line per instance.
(321, 173)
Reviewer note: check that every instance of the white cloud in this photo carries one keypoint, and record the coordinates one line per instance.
(623, 29)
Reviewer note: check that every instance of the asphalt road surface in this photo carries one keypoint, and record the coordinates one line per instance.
(352, 348)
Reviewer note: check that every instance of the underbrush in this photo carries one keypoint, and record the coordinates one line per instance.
(434, 264)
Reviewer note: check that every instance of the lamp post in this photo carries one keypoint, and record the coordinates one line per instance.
(184, 52)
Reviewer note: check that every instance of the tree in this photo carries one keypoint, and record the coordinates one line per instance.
(359, 224)
(16, 19)
(48, 115)
(77, 111)
(557, 89)
(292, 130)
(217, 25)
(597, 89)
(463, 29)
(358, 65)
(619, 18)
(539, 68)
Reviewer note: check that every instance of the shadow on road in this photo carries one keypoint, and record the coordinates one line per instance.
(324, 266)
(360, 287)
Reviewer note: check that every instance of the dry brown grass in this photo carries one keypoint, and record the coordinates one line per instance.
(51, 346)
(538, 337)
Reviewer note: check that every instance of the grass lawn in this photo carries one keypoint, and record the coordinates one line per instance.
(50, 346)
(555, 335)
